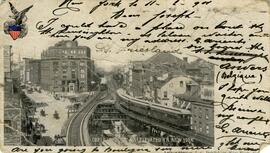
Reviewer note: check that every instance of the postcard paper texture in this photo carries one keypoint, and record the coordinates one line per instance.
(130, 76)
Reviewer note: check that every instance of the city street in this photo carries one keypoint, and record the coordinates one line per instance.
(66, 100)
(52, 125)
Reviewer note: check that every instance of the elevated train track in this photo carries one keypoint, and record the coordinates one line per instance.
(75, 131)
(76, 134)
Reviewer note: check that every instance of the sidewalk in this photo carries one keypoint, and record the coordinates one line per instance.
(53, 126)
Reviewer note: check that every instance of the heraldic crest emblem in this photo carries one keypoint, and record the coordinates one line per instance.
(17, 27)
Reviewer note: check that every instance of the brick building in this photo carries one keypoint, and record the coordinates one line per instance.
(66, 67)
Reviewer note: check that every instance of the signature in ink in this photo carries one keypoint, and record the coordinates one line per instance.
(64, 7)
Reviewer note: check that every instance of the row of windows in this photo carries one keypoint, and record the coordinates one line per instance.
(59, 52)
(200, 116)
(73, 73)
(200, 129)
(72, 63)
(67, 82)
(73, 76)
(65, 70)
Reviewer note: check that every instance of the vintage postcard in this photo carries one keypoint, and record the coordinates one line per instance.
(134, 76)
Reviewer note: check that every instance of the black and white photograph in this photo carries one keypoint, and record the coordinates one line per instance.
(64, 98)
(134, 76)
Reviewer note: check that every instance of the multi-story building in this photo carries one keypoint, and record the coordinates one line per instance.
(34, 72)
(66, 67)
(7, 60)
(25, 70)
(173, 86)
(29, 70)
(203, 112)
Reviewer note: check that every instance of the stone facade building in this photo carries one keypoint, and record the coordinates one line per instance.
(66, 67)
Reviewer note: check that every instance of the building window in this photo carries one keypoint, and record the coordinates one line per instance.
(207, 93)
(181, 83)
(63, 82)
(73, 74)
(206, 114)
(73, 64)
(82, 76)
(55, 66)
(200, 129)
(207, 129)
(82, 63)
(165, 94)
(64, 71)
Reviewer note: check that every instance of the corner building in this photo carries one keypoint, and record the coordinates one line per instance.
(66, 67)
